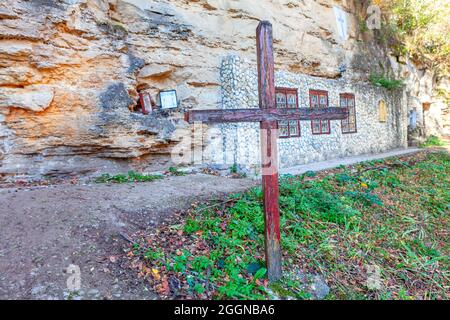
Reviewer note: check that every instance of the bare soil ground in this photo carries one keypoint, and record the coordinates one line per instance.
(44, 229)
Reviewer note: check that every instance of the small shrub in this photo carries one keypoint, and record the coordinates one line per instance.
(310, 174)
(432, 141)
(343, 178)
(201, 263)
(175, 172)
(234, 169)
(191, 226)
(125, 178)
(364, 197)
(153, 255)
(381, 80)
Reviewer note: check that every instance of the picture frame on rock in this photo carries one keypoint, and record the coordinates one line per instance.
(146, 102)
(168, 99)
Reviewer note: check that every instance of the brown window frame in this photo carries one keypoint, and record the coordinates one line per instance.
(348, 96)
(318, 93)
(287, 91)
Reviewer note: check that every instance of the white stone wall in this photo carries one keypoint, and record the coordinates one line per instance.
(239, 143)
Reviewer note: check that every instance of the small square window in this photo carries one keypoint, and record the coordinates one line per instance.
(352, 127)
(283, 128)
(292, 100)
(281, 100)
(294, 130)
(316, 125)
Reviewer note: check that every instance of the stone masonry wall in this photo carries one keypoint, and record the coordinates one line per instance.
(239, 143)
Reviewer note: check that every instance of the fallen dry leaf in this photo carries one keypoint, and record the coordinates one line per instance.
(155, 273)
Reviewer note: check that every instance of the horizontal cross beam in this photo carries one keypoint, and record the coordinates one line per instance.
(260, 115)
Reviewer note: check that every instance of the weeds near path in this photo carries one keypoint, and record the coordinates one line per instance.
(390, 215)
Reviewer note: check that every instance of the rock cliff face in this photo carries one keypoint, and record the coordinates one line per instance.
(70, 72)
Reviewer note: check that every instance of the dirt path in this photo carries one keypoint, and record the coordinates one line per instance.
(45, 229)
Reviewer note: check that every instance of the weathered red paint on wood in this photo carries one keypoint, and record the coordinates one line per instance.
(267, 115)
(269, 150)
(258, 115)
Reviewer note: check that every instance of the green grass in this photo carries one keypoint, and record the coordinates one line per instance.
(432, 141)
(131, 176)
(392, 214)
(176, 172)
(234, 168)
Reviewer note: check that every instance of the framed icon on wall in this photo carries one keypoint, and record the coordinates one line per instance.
(145, 102)
(168, 99)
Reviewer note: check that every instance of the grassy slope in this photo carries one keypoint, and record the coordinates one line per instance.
(391, 214)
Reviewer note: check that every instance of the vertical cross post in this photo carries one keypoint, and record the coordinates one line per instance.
(268, 115)
(269, 152)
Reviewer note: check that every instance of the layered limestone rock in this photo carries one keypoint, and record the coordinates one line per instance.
(70, 72)
(422, 88)
(67, 79)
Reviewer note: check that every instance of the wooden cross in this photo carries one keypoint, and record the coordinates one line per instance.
(341, 21)
(268, 116)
